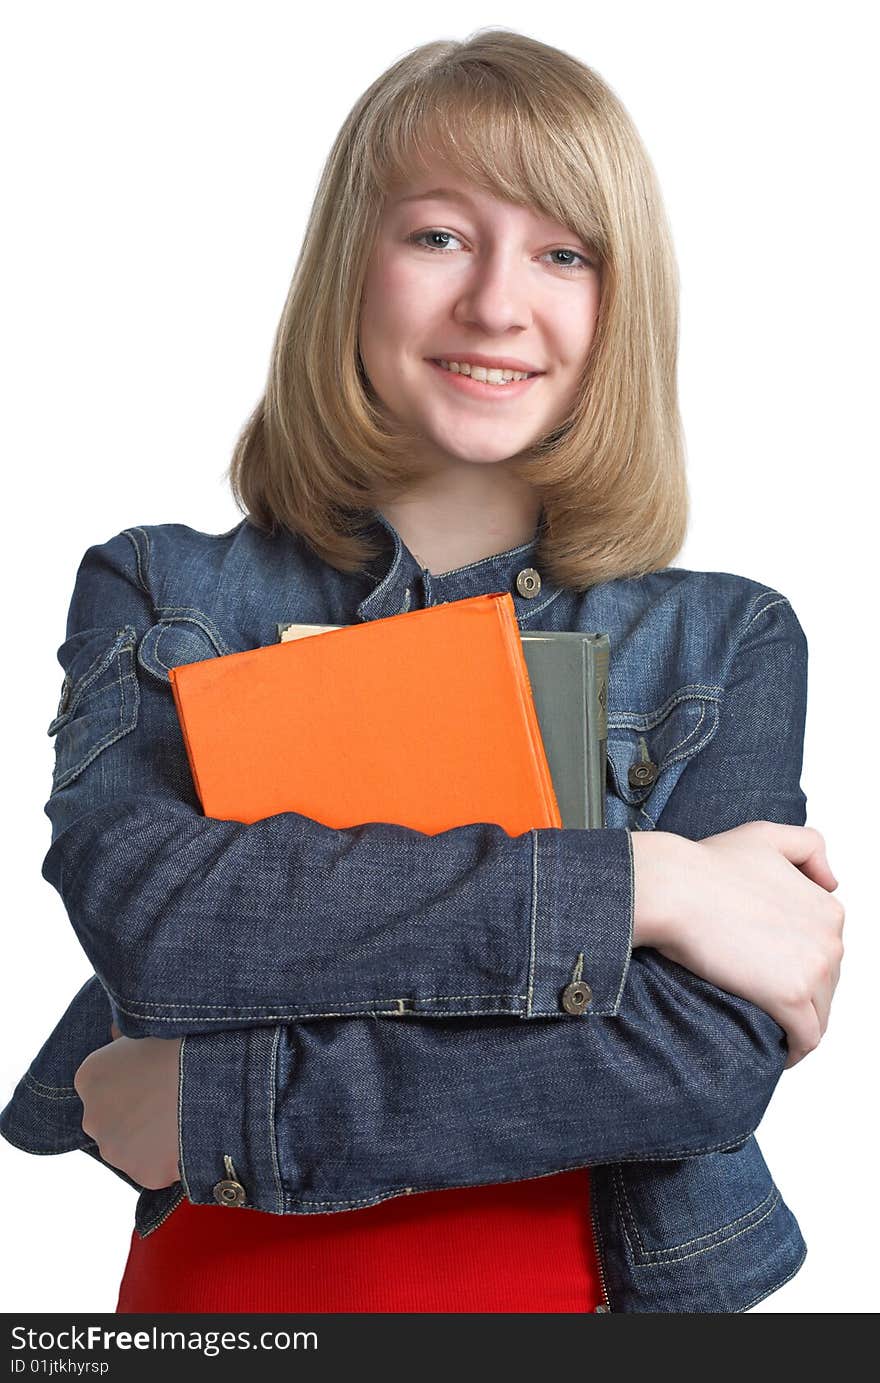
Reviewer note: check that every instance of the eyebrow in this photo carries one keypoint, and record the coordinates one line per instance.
(437, 194)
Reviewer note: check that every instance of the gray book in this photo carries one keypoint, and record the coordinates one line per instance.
(568, 675)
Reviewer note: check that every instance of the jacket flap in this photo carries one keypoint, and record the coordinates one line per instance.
(91, 660)
(652, 742)
(177, 640)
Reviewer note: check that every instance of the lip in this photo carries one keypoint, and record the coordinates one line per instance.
(492, 393)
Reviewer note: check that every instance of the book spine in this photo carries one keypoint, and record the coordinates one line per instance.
(597, 689)
(172, 678)
(510, 633)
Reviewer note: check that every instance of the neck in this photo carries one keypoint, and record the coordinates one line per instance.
(448, 522)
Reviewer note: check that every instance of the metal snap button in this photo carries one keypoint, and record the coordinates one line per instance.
(528, 582)
(576, 996)
(642, 775)
(229, 1193)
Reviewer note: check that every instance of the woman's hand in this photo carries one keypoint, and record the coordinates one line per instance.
(749, 910)
(129, 1095)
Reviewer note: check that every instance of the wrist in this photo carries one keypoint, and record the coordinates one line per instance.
(661, 863)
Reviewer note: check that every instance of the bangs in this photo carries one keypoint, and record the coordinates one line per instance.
(514, 144)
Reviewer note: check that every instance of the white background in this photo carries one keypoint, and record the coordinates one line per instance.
(159, 164)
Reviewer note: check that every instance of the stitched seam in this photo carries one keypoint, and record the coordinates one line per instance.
(128, 715)
(164, 628)
(764, 608)
(671, 756)
(689, 736)
(568, 1167)
(529, 614)
(143, 575)
(696, 747)
(190, 614)
(631, 924)
(751, 615)
(621, 1195)
(371, 599)
(233, 1014)
(534, 912)
(622, 1217)
(253, 1009)
(687, 1243)
(688, 749)
(273, 1135)
(50, 1092)
(682, 1258)
(180, 1066)
(637, 720)
(110, 738)
(124, 642)
(174, 610)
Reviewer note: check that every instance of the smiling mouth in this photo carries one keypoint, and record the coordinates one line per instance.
(484, 388)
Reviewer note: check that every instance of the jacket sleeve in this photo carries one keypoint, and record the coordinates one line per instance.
(196, 925)
(341, 1114)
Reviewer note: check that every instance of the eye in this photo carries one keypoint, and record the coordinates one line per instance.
(419, 237)
(573, 268)
(434, 249)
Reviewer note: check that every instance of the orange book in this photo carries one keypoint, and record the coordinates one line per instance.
(423, 719)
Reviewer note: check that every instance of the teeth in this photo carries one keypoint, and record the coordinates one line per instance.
(481, 373)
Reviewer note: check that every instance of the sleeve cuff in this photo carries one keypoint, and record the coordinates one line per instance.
(582, 922)
(226, 1110)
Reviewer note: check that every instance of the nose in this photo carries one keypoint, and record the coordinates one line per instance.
(494, 298)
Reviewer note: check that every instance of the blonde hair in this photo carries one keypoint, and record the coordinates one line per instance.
(533, 125)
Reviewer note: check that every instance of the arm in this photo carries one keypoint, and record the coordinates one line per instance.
(196, 925)
(338, 1113)
(705, 1016)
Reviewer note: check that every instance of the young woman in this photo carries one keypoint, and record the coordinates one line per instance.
(472, 389)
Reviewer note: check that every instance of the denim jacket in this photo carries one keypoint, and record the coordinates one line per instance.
(306, 967)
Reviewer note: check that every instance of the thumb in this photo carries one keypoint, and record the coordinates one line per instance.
(114, 1031)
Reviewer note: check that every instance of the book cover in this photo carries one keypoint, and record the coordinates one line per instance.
(424, 719)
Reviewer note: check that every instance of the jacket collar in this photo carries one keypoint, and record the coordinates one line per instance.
(403, 584)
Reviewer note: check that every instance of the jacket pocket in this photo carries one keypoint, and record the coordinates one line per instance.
(649, 750)
(99, 699)
(671, 1211)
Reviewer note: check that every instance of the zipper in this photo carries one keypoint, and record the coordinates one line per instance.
(606, 1307)
(170, 1211)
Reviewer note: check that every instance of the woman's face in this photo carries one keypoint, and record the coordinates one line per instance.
(457, 272)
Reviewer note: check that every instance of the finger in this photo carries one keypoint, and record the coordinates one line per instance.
(822, 999)
(825, 985)
(804, 847)
(803, 1032)
(114, 1031)
(817, 868)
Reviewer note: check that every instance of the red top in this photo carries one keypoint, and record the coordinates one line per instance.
(518, 1246)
